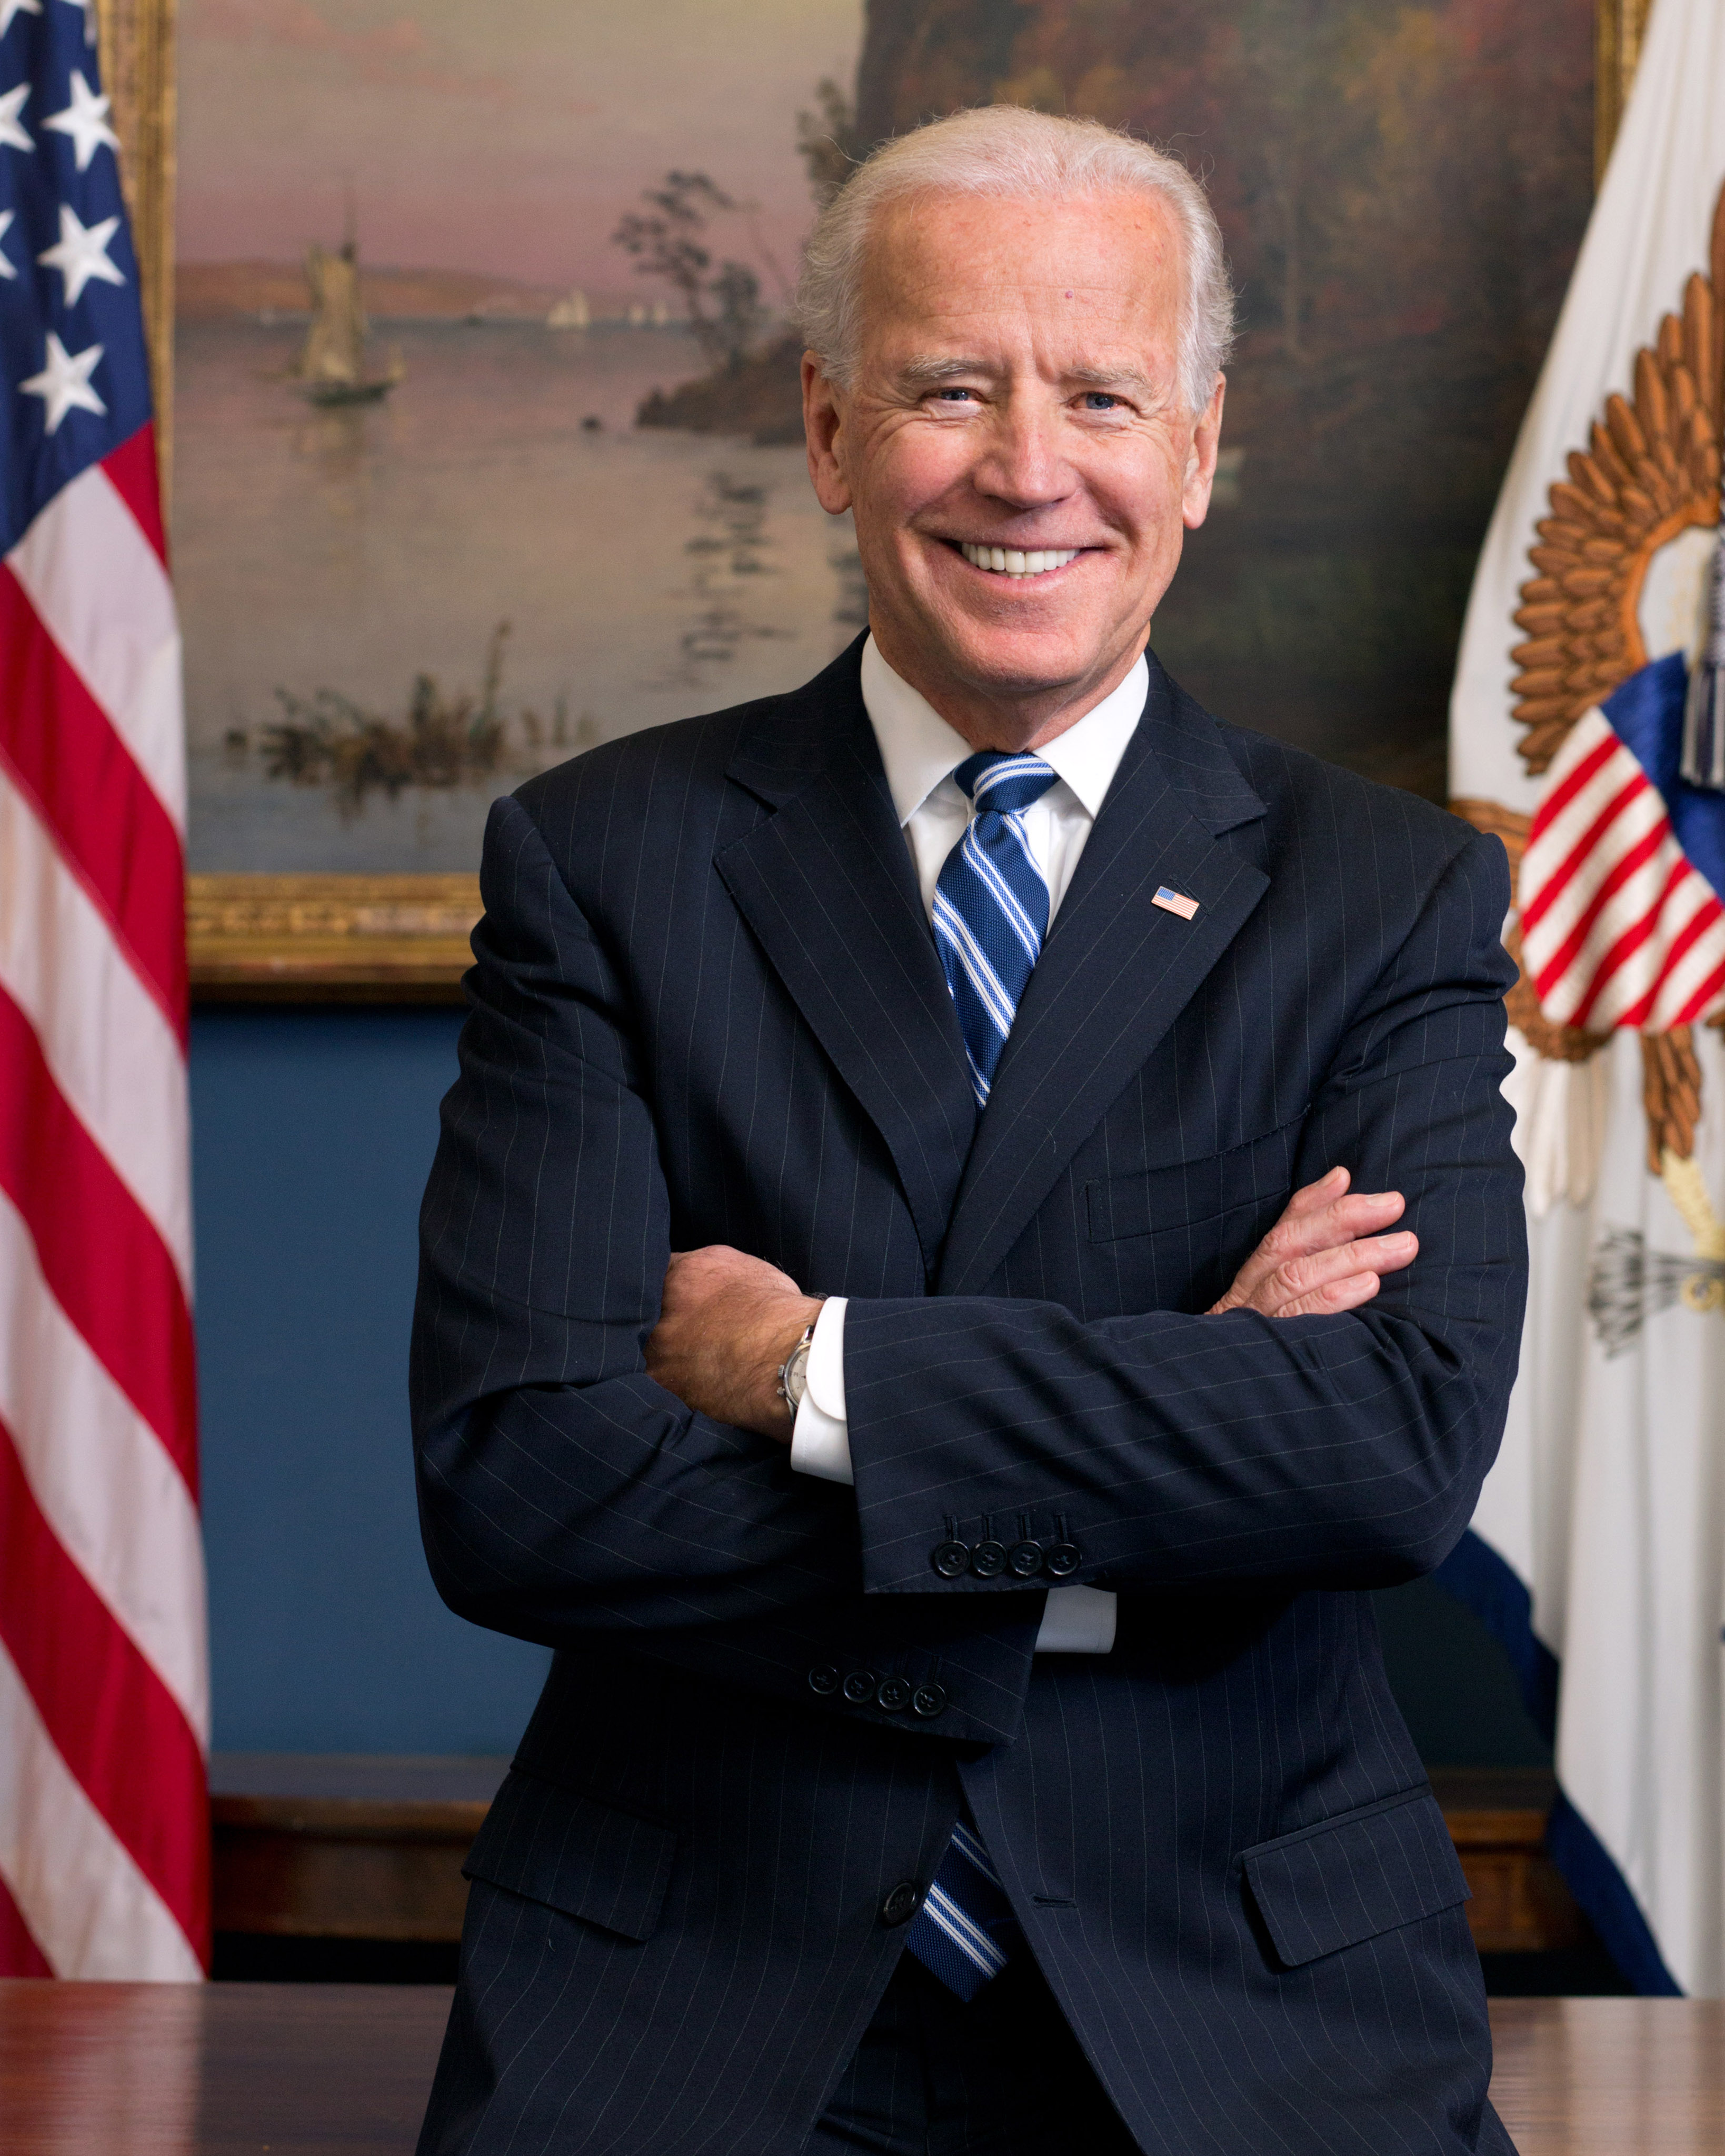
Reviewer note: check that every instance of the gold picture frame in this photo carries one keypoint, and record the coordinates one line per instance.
(1619, 28)
(329, 938)
(380, 938)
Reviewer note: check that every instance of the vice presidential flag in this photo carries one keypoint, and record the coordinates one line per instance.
(1588, 730)
(104, 1834)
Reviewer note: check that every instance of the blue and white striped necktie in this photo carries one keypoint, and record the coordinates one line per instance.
(965, 1930)
(991, 906)
(990, 916)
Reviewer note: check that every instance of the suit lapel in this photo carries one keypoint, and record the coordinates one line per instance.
(826, 885)
(1115, 972)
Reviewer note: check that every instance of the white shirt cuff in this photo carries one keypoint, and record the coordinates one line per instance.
(1076, 1620)
(820, 1437)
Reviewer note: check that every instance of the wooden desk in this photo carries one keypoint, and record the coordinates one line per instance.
(1611, 2077)
(336, 2070)
(215, 2070)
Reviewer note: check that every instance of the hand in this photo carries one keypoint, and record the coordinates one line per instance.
(1325, 1253)
(726, 1326)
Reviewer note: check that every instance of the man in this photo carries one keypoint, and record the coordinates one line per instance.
(968, 1731)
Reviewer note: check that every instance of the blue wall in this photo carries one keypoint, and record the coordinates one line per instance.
(312, 1134)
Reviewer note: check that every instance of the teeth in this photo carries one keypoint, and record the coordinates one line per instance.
(1009, 562)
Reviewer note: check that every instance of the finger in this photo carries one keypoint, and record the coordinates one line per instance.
(1310, 1195)
(1377, 1254)
(1330, 1220)
(1314, 1195)
(1338, 1297)
(1341, 1221)
(1292, 1283)
(1364, 1212)
(1298, 1278)
(1291, 1289)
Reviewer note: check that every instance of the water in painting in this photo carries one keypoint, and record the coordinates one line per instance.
(471, 558)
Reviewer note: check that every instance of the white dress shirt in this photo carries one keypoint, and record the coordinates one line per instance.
(920, 752)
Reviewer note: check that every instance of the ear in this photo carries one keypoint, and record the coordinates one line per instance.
(822, 426)
(1201, 458)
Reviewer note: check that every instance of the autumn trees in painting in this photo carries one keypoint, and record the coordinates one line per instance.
(1402, 188)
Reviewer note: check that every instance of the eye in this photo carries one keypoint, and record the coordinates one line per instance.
(1101, 400)
(954, 396)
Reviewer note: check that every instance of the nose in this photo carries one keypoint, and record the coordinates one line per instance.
(1022, 465)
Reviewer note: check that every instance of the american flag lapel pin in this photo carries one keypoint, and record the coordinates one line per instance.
(1175, 901)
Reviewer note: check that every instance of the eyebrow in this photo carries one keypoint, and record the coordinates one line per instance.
(921, 374)
(1112, 377)
(926, 372)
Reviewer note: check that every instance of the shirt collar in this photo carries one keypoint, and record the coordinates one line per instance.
(919, 749)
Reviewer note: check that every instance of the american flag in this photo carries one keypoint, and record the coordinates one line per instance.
(1619, 886)
(103, 1694)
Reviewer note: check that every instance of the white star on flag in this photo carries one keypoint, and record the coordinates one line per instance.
(8, 8)
(12, 134)
(85, 119)
(63, 383)
(81, 253)
(89, 27)
(7, 270)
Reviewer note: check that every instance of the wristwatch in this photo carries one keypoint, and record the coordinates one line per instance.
(793, 1371)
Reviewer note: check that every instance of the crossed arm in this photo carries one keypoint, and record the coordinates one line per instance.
(569, 1484)
(729, 1322)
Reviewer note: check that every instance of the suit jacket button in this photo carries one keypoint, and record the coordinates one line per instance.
(893, 1693)
(952, 1559)
(824, 1680)
(1024, 1560)
(1062, 1560)
(988, 1560)
(928, 1701)
(859, 1685)
(902, 1903)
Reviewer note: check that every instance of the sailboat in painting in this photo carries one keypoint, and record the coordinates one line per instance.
(571, 312)
(331, 365)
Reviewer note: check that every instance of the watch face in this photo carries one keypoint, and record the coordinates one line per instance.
(796, 1374)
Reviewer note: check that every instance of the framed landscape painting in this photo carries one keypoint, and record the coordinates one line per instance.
(486, 442)
(474, 309)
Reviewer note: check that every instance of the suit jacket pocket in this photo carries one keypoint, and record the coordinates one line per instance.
(1347, 1879)
(1185, 1193)
(575, 1854)
(1179, 1233)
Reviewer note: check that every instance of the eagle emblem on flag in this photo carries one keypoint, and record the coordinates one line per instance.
(1619, 892)
(1618, 920)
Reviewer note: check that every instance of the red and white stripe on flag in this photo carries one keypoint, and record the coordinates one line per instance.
(104, 1687)
(1618, 926)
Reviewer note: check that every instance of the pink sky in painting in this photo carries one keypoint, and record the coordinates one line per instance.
(482, 136)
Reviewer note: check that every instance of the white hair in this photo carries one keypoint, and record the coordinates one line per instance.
(1004, 151)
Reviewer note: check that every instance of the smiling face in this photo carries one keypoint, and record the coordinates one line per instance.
(1016, 450)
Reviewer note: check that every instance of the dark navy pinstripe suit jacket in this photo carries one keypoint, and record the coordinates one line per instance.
(706, 1008)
